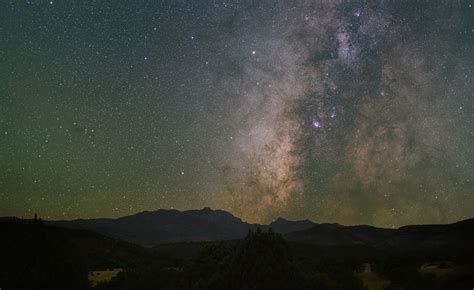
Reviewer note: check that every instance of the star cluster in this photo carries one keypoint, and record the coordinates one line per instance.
(337, 111)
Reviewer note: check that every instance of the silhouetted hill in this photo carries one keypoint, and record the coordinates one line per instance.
(96, 249)
(460, 234)
(150, 228)
(338, 235)
(165, 226)
(36, 256)
(284, 226)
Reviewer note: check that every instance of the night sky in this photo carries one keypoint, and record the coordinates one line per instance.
(337, 111)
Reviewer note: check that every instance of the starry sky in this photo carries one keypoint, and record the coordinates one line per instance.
(337, 111)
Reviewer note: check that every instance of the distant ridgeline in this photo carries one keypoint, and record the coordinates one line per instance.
(151, 228)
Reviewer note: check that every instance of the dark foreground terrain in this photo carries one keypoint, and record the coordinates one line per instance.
(38, 256)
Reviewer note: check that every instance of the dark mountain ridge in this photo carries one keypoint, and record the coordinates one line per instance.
(459, 234)
(151, 228)
(284, 226)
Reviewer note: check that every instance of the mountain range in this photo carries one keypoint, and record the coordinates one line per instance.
(151, 228)
(459, 234)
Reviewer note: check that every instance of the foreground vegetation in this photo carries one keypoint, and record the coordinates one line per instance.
(263, 260)
(42, 257)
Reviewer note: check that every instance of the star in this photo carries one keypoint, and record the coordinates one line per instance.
(302, 104)
(316, 124)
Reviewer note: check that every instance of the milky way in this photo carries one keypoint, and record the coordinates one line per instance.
(337, 111)
(346, 105)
